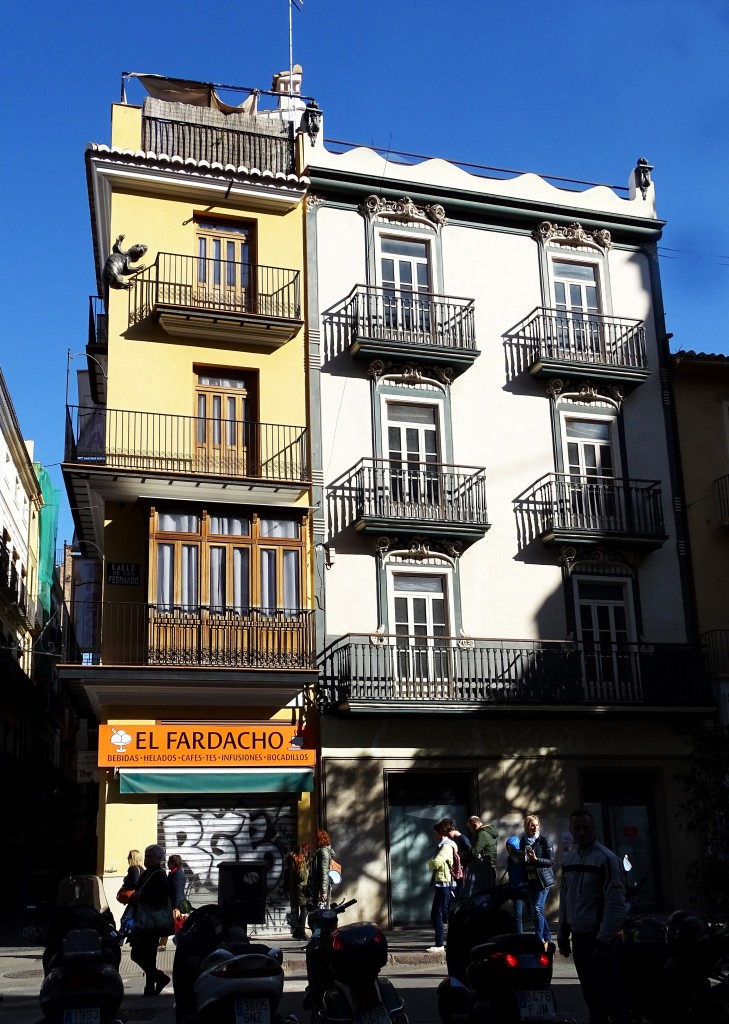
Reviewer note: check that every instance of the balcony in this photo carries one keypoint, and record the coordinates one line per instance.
(564, 509)
(265, 152)
(415, 497)
(124, 633)
(580, 346)
(449, 674)
(716, 652)
(221, 300)
(387, 323)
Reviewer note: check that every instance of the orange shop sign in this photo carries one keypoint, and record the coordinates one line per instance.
(201, 745)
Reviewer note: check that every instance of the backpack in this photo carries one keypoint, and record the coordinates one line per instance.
(456, 867)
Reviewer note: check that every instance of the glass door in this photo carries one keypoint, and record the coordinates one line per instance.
(421, 629)
(593, 498)
(413, 454)
(610, 669)
(226, 436)
(577, 303)
(406, 285)
(224, 266)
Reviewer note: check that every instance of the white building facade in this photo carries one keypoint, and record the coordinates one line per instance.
(501, 579)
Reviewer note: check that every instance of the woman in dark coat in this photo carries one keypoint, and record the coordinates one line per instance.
(320, 885)
(151, 891)
(176, 890)
(539, 865)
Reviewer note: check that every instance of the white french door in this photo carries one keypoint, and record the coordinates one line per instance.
(420, 610)
(413, 451)
(405, 270)
(577, 302)
(223, 266)
(605, 629)
(593, 494)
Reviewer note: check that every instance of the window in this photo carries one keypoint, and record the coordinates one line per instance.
(406, 277)
(605, 627)
(577, 303)
(227, 437)
(224, 264)
(419, 611)
(225, 564)
(413, 454)
(591, 491)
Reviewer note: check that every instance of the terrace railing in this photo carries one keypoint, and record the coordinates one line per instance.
(564, 502)
(176, 281)
(721, 487)
(126, 633)
(381, 669)
(569, 336)
(411, 318)
(264, 152)
(168, 443)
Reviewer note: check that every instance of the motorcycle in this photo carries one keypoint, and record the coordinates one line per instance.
(221, 977)
(81, 983)
(342, 969)
(674, 969)
(494, 973)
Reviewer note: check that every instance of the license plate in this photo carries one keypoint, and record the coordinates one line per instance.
(252, 1011)
(536, 1004)
(83, 1015)
(372, 1015)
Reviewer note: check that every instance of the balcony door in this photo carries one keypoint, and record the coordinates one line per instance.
(406, 277)
(226, 432)
(420, 615)
(413, 452)
(605, 628)
(577, 302)
(592, 492)
(223, 276)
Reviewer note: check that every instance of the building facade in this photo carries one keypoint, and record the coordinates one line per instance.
(187, 465)
(701, 400)
(503, 590)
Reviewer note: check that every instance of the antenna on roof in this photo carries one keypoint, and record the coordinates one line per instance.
(297, 4)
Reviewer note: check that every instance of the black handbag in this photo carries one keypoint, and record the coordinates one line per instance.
(157, 920)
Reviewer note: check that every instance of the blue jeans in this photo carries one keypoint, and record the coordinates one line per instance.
(536, 898)
(442, 896)
(519, 914)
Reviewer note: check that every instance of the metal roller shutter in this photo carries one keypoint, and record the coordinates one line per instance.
(205, 830)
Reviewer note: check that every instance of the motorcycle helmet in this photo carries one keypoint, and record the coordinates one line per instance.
(686, 932)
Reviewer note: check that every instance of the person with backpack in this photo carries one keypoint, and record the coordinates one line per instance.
(441, 867)
(463, 848)
(538, 856)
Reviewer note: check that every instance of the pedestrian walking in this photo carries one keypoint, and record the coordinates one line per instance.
(516, 873)
(151, 896)
(297, 877)
(320, 884)
(591, 912)
(463, 845)
(440, 865)
(538, 855)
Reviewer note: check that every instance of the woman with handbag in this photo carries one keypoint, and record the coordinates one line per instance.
(176, 890)
(320, 883)
(129, 884)
(153, 917)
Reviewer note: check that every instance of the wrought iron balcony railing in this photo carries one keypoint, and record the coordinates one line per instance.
(201, 284)
(98, 321)
(716, 652)
(414, 319)
(168, 443)
(721, 486)
(421, 493)
(567, 336)
(115, 633)
(378, 670)
(561, 504)
(264, 152)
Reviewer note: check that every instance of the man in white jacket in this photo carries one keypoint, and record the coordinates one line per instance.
(591, 913)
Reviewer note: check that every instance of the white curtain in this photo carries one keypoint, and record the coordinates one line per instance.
(217, 579)
(165, 577)
(268, 580)
(291, 580)
(241, 590)
(189, 577)
(279, 528)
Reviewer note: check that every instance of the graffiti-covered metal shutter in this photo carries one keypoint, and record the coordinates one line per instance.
(207, 830)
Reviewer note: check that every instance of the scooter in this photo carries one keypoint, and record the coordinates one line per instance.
(674, 969)
(82, 984)
(221, 977)
(494, 973)
(342, 968)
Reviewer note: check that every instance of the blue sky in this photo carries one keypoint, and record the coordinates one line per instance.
(571, 89)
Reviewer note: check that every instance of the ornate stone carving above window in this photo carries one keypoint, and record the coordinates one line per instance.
(572, 235)
(418, 549)
(403, 210)
(439, 377)
(599, 561)
(586, 393)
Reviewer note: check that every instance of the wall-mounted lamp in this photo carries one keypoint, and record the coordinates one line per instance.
(330, 554)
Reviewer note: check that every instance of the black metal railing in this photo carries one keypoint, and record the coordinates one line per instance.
(412, 318)
(564, 502)
(116, 633)
(263, 152)
(98, 321)
(716, 651)
(10, 579)
(428, 492)
(186, 444)
(206, 283)
(721, 487)
(569, 336)
(380, 669)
